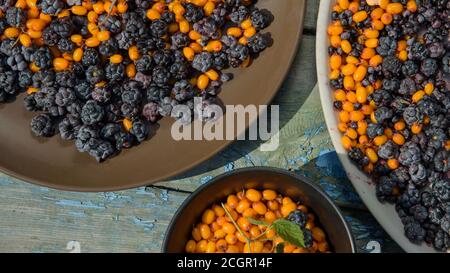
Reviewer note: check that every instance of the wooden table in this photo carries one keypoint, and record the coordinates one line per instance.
(38, 219)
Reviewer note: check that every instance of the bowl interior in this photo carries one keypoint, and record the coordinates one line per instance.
(285, 183)
(384, 213)
(56, 163)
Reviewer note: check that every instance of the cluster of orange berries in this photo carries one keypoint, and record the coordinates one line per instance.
(218, 233)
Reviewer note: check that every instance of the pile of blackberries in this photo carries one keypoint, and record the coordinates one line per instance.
(390, 69)
(102, 72)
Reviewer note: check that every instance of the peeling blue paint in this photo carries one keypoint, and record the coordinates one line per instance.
(342, 191)
(205, 179)
(5, 181)
(164, 195)
(79, 214)
(80, 204)
(146, 224)
(328, 162)
(229, 167)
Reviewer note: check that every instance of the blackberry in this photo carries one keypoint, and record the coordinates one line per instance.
(8, 80)
(418, 174)
(207, 27)
(43, 78)
(441, 190)
(90, 57)
(193, 13)
(259, 42)
(391, 65)
(124, 140)
(409, 68)
(298, 217)
(115, 72)
(166, 106)
(65, 79)
(414, 232)
(83, 90)
(16, 17)
(68, 127)
(441, 241)
(95, 74)
(63, 27)
(124, 40)
(261, 18)
(143, 79)
(51, 7)
(129, 110)
(157, 93)
(237, 54)
(7, 46)
(409, 154)
(374, 130)
(108, 47)
(140, 130)
(180, 70)
(29, 103)
(91, 113)
(417, 51)
(239, 14)
(42, 126)
(101, 94)
(158, 28)
(66, 45)
(150, 112)
(163, 57)
(179, 40)
(220, 60)
(409, 197)
(144, 64)
(110, 22)
(110, 130)
(84, 136)
(160, 75)
(387, 46)
(429, 67)
(384, 189)
(183, 90)
(42, 58)
(27, 52)
(101, 150)
(383, 114)
(202, 62)
(65, 96)
(25, 78)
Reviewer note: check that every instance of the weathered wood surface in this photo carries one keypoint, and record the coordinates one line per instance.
(38, 219)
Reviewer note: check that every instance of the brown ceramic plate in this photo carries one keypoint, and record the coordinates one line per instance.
(57, 164)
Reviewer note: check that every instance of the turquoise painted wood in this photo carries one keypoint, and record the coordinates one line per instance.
(38, 219)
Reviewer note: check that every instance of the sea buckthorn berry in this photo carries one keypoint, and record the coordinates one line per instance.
(387, 18)
(103, 35)
(122, 6)
(79, 10)
(249, 32)
(214, 46)
(232, 201)
(253, 195)
(418, 96)
(92, 42)
(208, 217)
(130, 70)
(60, 64)
(229, 228)
(394, 8)
(360, 16)
(133, 53)
(416, 128)
(348, 69)
(259, 208)
(202, 82)
(398, 139)
(393, 164)
(11, 32)
(360, 73)
(25, 40)
(288, 208)
(208, 8)
(269, 195)
(375, 61)
(335, 61)
(372, 155)
(205, 231)
(429, 88)
(380, 140)
(371, 43)
(246, 24)
(234, 31)
(352, 134)
(346, 46)
(92, 16)
(116, 59)
(153, 14)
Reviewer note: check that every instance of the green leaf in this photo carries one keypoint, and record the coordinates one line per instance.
(280, 248)
(290, 232)
(253, 221)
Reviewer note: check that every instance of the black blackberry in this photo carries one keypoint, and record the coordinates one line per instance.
(132, 94)
(409, 197)
(16, 17)
(92, 113)
(387, 46)
(220, 60)
(108, 47)
(51, 7)
(83, 90)
(158, 28)
(110, 22)
(261, 18)
(68, 127)
(409, 154)
(66, 45)
(65, 96)
(298, 217)
(160, 75)
(429, 67)
(140, 130)
(384, 189)
(30, 104)
(90, 57)
(110, 130)
(389, 150)
(202, 62)
(63, 27)
(157, 93)
(115, 72)
(25, 78)
(144, 64)
(180, 70)
(7, 46)
(44, 78)
(101, 150)
(383, 114)
(42, 58)
(207, 27)
(65, 79)
(414, 232)
(409, 68)
(412, 115)
(8, 80)
(95, 74)
(166, 106)
(150, 111)
(179, 40)
(183, 90)
(27, 52)
(101, 94)
(163, 57)
(193, 13)
(84, 136)
(124, 40)
(42, 126)
(259, 42)
(144, 79)
(237, 54)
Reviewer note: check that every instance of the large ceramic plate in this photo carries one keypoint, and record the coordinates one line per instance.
(384, 213)
(55, 163)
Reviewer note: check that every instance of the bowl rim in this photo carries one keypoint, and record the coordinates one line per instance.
(365, 191)
(298, 177)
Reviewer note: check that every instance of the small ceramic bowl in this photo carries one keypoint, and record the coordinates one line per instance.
(384, 213)
(284, 182)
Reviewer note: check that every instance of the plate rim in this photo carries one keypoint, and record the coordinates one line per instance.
(162, 178)
(365, 191)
